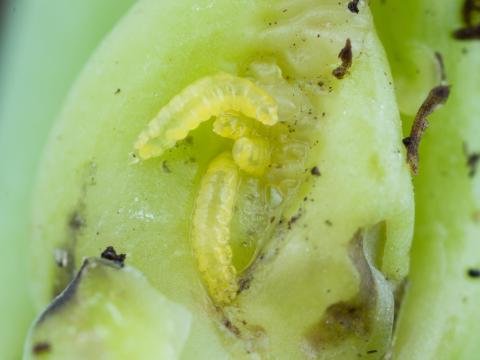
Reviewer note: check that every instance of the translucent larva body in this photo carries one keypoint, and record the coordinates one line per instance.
(233, 126)
(206, 98)
(252, 155)
(211, 228)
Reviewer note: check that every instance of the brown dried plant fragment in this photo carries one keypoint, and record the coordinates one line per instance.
(437, 96)
(346, 56)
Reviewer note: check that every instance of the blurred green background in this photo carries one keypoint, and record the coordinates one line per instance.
(44, 45)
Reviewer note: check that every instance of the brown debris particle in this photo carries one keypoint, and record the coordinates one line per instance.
(244, 284)
(294, 219)
(473, 159)
(353, 6)
(470, 12)
(110, 254)
(231, 327)
(346, 56)
(165, 167)
(76, 221)
(472, 162)
(315, 171)
(437, 96)
(41, 348)
(468, 33)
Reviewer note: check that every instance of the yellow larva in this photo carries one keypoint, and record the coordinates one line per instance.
(206, 98)
(252, 155)
(211, 228)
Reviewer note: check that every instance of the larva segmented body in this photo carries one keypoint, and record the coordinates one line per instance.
(211, 228)
(231, 126)
(206, 98)
(250, 152)
(252, 155)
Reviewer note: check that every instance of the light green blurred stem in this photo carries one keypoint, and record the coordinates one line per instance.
(45, 46)
(440, 317)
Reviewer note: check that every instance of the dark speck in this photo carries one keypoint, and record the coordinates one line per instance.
(315, 171)
(76, 221)
(353, 6)
(467, 33)
(165, 167)
(232, 328)
(472, 162)
(110, 254)
(372, 351)
(474, 273)
(117, 91)
(244, 284)
(293, 220)
(41, 348)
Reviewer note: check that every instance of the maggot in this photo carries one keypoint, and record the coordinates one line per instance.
(211, 228)
(206, 98)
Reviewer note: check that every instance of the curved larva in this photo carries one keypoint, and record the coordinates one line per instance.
(211, 228)
(207, 97)
(252, 155)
